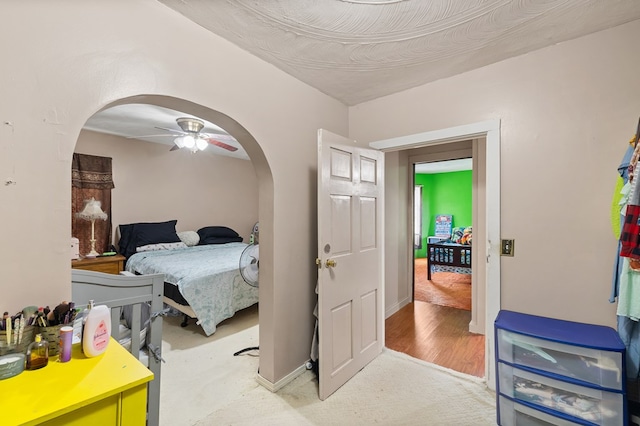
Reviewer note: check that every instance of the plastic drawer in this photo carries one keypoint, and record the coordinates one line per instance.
(514, 414)
(598, 406)
(599, 367)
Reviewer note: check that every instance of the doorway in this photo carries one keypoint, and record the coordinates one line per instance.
(484, 140)
(439, 315)
(438, 318)
(442, 228)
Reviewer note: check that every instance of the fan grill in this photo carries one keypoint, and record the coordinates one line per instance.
(250, 264)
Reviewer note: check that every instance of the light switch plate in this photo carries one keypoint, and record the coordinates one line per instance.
(506, 247)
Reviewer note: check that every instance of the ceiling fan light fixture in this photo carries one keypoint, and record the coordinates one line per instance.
(201, 144)
(190, 125)
(179, 141)
(188, 141)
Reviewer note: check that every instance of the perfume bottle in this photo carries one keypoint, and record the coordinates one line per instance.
(37, 353)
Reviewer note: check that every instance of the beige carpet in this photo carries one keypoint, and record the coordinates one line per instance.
(201, 374)
(204, 384)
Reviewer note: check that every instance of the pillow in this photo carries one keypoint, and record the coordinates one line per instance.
(190, 238)
(134, 235)
(217, 231)
(467, 236)
(220, 240)
(125, 236)
(161, 246)
(218, 235)
(456, 234)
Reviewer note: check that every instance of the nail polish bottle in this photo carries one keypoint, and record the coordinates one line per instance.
(37, 353)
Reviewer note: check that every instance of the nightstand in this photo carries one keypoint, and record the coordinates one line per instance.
(108, 264)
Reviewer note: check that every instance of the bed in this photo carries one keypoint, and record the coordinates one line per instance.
(202, 281)
(452, 254)
(129, 297)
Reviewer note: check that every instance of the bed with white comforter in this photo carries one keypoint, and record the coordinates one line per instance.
(208, 277)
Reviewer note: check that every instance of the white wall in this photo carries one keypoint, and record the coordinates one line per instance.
(153, 185)
(567, 113)
(63, 61)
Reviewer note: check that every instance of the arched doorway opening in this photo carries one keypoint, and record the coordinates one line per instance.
(264, 182)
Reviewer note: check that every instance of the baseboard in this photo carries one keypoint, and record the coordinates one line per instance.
(395, 308)
(474, 328)
(392, 310)
(275, 387)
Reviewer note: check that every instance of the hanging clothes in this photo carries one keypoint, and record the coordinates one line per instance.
(630, 235)
(620, 200)
(626, 278)
(629, 331)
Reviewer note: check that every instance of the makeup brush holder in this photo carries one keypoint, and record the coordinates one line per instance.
(28, 334)
(52, 335)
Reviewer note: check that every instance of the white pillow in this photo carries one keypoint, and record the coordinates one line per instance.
(190, 238)
(161, 246)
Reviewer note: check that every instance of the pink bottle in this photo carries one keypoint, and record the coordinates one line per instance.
(97, 330)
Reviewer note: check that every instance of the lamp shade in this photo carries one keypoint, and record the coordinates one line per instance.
(92, 210)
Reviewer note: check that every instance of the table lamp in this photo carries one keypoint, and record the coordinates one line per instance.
(92, 211)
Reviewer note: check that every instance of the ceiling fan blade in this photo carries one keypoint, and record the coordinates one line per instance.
(174, 148)
(221, 144)
(222, 136)
(174, 131)
(150, 136)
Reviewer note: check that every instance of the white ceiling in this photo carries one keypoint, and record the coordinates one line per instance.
(144, 122)
(359, 50)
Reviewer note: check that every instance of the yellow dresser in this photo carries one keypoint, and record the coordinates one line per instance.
(110, 389)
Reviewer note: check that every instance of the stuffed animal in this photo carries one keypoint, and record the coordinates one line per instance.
(466, 236)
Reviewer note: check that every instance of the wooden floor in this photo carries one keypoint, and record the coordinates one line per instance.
(437, 334)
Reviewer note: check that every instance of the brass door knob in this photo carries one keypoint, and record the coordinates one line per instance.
(330, 263)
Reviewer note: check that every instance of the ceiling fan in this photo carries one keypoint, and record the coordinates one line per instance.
(191, 137)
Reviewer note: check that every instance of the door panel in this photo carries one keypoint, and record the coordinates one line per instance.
(350, 274)
(369, 320)
(341, 219)
(367, 223)
(341, 323)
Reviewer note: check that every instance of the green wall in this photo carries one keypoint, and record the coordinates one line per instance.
(444, 193)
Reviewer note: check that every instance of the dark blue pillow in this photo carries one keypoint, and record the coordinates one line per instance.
(217, 235)
(134, 235)
(219, 240)
(125, 237)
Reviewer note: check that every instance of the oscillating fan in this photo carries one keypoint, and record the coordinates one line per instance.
(250, 259)
(249, 266)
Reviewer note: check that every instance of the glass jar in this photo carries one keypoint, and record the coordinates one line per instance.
(37, 353)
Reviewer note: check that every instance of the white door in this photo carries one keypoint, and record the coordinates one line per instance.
(351, 259)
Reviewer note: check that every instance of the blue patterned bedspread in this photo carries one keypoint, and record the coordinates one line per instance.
(207, 276)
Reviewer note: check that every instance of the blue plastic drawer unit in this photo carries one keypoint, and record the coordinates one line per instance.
(556, 372)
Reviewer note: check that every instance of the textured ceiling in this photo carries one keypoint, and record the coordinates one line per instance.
(358, 50)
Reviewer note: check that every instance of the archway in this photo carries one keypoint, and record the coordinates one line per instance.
(265, 202)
